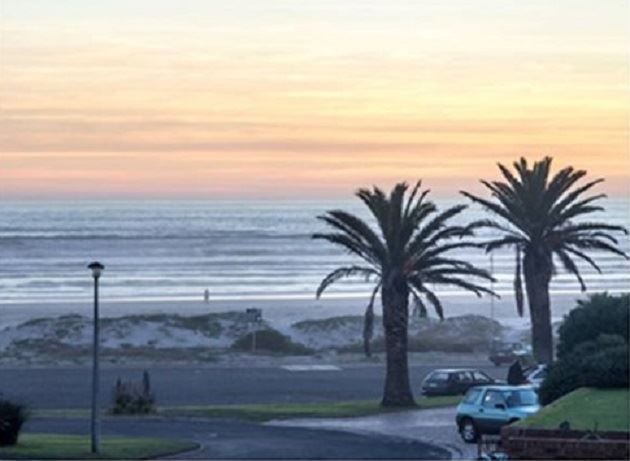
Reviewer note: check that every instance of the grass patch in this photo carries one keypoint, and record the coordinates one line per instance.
(266, 412)
(56, 446)
(585, 409)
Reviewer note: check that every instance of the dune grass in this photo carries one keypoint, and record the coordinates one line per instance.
(266, 412)
(58, 446)
(586, 409)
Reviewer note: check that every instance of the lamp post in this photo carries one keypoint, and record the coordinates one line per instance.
(97, 269)
(492, 285)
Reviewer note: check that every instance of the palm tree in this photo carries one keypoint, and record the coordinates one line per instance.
(538, 213)
(405, 255)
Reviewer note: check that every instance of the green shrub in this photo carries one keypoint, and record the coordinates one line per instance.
(592, 349)
(601, 364)
(132, 398)
(600, 314)
(270, 341)
(607, 368)
(12, 418)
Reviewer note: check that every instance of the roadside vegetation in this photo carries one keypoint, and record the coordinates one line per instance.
(59, 446)
(593, 348)
(267, 412)
(586, 410)
(13, 415)
(537, 218)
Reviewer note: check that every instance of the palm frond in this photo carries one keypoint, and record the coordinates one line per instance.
(518, 284)
(570, 267)
(344, 272)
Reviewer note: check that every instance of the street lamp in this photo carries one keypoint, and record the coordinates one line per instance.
(97, 270)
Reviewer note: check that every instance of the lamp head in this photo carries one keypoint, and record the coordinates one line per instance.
(96, 268)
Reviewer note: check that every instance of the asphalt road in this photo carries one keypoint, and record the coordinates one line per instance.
(223, 439)
(70, 387)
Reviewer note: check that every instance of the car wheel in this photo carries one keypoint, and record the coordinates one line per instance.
(468, 431)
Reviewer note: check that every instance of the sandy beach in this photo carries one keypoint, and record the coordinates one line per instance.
(278, 311)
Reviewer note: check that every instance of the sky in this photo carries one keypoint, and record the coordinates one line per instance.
(305, 99)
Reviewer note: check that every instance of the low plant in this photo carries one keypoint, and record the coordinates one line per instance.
(133, 398)
(12, 418)
(270, 341)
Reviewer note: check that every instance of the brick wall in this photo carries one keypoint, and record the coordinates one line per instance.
(521, 443)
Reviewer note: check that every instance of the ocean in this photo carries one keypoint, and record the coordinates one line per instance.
(238, 250)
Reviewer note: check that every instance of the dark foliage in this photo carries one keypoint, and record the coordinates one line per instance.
(602, 363)
(600, 314)
(133, 398)
(12, 418)
(270, 341)
(593, 348)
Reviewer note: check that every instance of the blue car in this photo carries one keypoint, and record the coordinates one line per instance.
(486, 409)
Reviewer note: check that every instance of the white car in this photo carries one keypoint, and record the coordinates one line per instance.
(536, 376)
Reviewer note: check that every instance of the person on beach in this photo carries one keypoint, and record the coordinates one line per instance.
(206, 296)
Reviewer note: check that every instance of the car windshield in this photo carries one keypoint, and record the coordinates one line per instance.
(472, 396)
(521, 398)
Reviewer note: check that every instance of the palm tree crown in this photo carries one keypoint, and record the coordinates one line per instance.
(539, 211)
(410, 245)
(406, 253)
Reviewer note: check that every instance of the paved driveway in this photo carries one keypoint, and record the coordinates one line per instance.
(229, 439)
(434, 426)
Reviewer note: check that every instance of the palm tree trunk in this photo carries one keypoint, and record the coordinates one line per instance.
(397, 392)
(537, 271)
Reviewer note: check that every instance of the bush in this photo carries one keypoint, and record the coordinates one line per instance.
(601, 364)
(593, 347)
(12, 418)
(600, 314)
(132, 398)
(270, 341)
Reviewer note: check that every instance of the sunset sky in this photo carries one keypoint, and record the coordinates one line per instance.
(279, 98)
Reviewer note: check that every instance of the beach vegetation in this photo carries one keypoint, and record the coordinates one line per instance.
(405, 252)
(543, 217)
(270, 341)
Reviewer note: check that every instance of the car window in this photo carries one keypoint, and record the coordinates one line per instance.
(540, 374)
(438, 377)
(464, 377)
(481, 377)
(521, 398)
(472, 396)
(492, 398)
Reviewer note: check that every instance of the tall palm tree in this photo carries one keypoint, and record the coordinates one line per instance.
(406, 254)
(538, 213)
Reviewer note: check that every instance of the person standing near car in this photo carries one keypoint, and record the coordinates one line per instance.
(515, 376)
